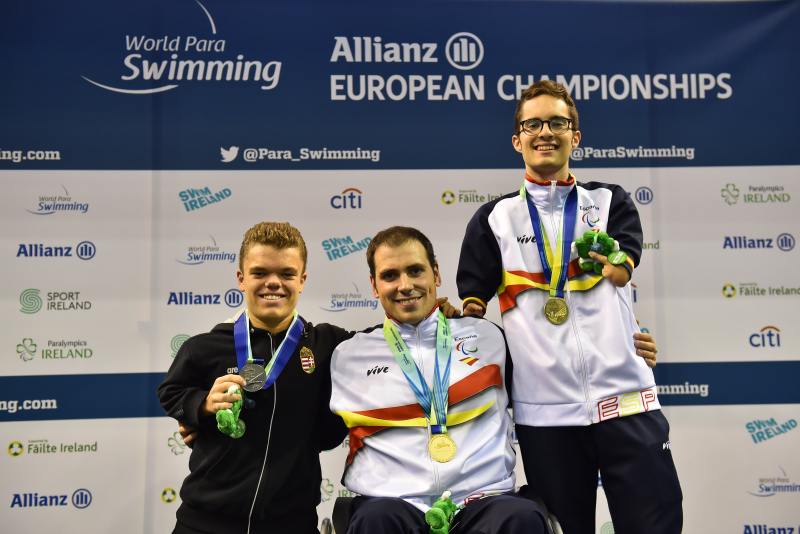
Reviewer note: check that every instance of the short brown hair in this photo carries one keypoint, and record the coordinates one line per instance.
(274, 234)
(545, 87)
(394, 237)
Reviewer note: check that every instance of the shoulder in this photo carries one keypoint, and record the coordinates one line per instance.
(478, 325)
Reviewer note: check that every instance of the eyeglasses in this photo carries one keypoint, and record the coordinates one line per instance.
(558, 125)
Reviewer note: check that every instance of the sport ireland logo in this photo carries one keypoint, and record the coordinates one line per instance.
(31, 301)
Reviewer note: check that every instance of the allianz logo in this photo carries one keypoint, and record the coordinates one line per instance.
(463, 51)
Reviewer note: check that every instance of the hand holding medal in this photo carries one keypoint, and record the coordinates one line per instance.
(599, 252)
(228, 420)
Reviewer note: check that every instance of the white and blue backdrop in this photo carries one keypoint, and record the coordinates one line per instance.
(140, 140)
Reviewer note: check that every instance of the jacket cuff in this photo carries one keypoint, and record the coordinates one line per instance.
(628, 264)
(476, 300)
(191, 407)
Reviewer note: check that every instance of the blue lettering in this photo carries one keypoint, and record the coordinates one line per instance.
(216, 299)
(173, 299)
(22, 251)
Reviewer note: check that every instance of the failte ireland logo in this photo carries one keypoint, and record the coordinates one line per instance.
(730, 194)
(15, 448)
(202, 63)
(169, 495)
(51, 204)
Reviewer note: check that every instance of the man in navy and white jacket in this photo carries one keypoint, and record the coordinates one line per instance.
(583, 399)
(390, 464)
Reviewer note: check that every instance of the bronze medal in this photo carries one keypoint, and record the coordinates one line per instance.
(556, 311)
(442, 448)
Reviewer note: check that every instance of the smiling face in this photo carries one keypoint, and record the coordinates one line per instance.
(272, 280)
(405, 281)
(546, 155)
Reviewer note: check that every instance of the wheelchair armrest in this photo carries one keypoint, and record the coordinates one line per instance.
(342, 514)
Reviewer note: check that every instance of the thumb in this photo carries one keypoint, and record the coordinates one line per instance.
(599, 257)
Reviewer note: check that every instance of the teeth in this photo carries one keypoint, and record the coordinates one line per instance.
(410, 301)
(271, 297)
(546, 147)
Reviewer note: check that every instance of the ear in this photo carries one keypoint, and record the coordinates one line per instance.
(374, 289)
(302, 282)
(240, 277)
(437, 275)
(516, 142)
(576, 138)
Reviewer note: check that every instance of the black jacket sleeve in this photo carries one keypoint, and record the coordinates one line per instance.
(332, 429)
(480, 267)
(183, 391)
(624, 224)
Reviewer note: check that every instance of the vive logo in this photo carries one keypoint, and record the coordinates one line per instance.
(464, 51)
(230, 154)
(377, 370)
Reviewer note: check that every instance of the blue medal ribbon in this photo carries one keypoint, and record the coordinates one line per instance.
(566, 233)
(433, 404)
(244, 353)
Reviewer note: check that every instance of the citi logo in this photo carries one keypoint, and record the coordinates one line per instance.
(85, 251)
(464, 51)
(769, 336)
(341, 201)
(524, 239)
(666, 446)
(377, 370)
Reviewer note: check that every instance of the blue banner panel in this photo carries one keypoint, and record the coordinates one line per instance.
(690, 384)
(183, 84)
(41, 398)
(100, 396)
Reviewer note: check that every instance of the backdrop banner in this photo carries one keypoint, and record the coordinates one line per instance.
(140, 140)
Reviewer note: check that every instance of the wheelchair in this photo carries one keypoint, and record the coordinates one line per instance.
(343, 511)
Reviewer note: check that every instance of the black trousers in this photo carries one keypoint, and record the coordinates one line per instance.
(498, 514)
(634, 459)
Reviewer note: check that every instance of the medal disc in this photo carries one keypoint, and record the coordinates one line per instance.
(254, 375)
(556, 311)
(442, 448)
(617, 258)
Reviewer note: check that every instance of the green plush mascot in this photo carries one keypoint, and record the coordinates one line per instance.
(601, 243)
(441, 515)
(228, 420)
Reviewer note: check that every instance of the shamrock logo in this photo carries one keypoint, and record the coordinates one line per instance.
(730, 194)
(26, 349)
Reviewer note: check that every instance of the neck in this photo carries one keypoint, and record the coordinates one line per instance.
(547, 175)
(270, 326)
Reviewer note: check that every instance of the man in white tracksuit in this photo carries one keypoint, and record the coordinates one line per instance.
(425, 402)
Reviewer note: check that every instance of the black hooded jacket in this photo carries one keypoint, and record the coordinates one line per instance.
(273, 469)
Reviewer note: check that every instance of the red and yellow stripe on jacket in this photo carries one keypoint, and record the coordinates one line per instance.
(368, 422)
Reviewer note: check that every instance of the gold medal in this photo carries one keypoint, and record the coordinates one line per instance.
(442, 448)
(556, 310)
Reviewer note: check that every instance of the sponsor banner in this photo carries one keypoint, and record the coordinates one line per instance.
(396, 89)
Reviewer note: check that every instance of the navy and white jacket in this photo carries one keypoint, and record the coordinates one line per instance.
(585, 370)
(389, 433)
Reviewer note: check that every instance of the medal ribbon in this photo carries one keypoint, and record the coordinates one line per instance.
(441, 372)
(555, 265)
(244, 353)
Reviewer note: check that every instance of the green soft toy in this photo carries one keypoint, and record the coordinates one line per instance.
(228, 420)
(601, 243)
(441, 515)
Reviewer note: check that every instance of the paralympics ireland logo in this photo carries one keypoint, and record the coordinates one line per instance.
(730, 194)
(26, 349)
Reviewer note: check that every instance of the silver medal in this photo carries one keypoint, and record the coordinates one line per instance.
(254, 376)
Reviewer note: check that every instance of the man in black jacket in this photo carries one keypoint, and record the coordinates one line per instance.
(267, 480)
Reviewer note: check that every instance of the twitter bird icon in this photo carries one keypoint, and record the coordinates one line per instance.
(230, 154)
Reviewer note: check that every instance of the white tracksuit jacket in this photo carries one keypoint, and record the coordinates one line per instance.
(388, 432)
(586, 370)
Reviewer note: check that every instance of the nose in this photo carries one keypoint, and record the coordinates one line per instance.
(405, 283)
(272, 281)
(546, 130)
